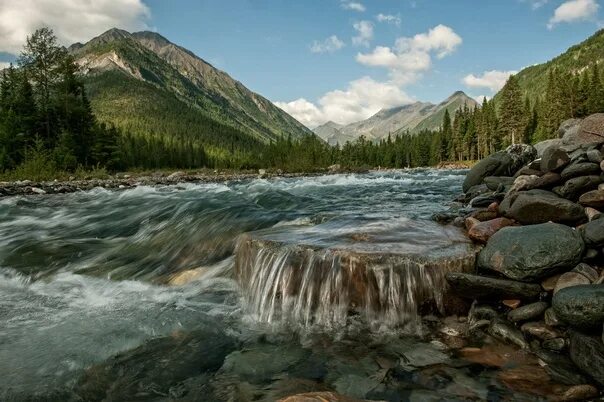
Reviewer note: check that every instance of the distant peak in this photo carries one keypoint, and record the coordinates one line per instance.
(150, 35)
(458, 94)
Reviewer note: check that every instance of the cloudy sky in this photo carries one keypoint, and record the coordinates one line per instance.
(340, 60)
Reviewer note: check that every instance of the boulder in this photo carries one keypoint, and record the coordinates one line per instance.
(484, 215)
(540, 206)
(581, 306)
(554, 158)
(593, 199)
(527, 171)
(543, 145)
(568, 128)
(528, 312)
(532, 182)
(503, 163)
(532, 252)
(573, 188)
(591, 131)
(587, 353)
(593, 233)
(483, 201)
(476, 286)
(482, 232)
(594, 155)
(580, 169)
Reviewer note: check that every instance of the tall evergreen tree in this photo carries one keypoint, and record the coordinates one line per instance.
(512, 118)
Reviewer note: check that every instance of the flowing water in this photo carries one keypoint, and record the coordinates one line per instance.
(173, 279)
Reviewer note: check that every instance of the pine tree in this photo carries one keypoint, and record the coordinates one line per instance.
(512, 117)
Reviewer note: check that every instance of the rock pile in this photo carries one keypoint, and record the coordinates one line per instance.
(540, 274)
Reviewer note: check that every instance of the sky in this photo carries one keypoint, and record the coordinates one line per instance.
(338, 60)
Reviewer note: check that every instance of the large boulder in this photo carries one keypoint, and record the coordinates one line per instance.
(580, 306)
(580, 169)
(533, 252)
(540, 147)
(494, 182)
(503, 163)
(554, 158)
(540, 206)
(575, 187)
(477, 286)
(568, 129)
(591, 131)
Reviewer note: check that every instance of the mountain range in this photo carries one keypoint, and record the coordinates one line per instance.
(411, 118)
(148, 85)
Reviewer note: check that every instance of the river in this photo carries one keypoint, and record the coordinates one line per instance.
(89, 275)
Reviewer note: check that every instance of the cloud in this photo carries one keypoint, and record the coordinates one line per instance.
(4, 64)
(362, 99)
(481, 98)
(388, 18)
(364, 33)
(353, 6)
(493, 80)
(536, 4)
(329, 45)
(574, 11)
(411, 56)
(72, 20)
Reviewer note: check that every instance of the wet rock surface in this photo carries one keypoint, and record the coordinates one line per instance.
(477, 286)
(540, 206)
(581, 306)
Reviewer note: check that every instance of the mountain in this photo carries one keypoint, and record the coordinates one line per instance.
(414, 118)
(533, 80)
(148, 85)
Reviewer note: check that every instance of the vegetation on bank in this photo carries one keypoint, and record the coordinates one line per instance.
(48, 128)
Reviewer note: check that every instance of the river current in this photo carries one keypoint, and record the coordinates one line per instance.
(91, 275)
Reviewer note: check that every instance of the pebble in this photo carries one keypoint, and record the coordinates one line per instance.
(569, 279)
(528, 312)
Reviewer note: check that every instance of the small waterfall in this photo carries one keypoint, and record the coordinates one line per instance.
(307, 286)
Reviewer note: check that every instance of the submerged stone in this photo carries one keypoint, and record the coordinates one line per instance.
(320, 274)
(477, 286)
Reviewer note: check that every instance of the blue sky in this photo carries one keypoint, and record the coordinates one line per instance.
(335, 59)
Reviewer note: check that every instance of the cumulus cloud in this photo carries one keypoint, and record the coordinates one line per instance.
(493, 80)
(363, 98)
(353, 6)
(329, 45)
(574, 11)
(72, 20)
(364, 33)
(389, 18)
(411, 56)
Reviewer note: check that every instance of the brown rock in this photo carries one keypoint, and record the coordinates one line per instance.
(497, 355)
(569, 279)
(587, 271)
(549, 284)
(592, 214)
(494, 207)
(529, 379)
(540, 330)
(471, 222)
(579, 393)
(482, 232)
(319, 397)
(593, 199)
(592, 129)
(484, 215)
(513, 303)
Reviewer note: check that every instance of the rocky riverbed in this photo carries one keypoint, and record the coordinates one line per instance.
(538, 283)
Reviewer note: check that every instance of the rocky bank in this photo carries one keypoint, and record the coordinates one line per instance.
(539, 278)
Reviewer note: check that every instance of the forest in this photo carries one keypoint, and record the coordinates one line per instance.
(47, 125)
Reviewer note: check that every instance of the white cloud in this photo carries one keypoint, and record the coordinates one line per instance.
(493, 80)
(4, 64)
(574, 11)
(388, 18)
(353, 5)
(411, 56)
(329, 45)
(536, 4)
(364, 33)
(363, 98)
(72, 20)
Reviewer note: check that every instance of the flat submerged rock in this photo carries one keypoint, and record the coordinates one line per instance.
(320, 274)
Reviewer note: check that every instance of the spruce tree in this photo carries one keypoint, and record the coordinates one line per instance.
(512, 117)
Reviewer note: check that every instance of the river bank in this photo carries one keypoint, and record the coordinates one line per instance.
(538, 282)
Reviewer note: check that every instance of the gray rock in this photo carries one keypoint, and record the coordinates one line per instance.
(556, 344)
(561, 368)
(591, 131)
(587, 352)
(593, 199)
(528, 312)
(593, 233)
(540, 147)
(580, 306)
(485, 200)
(507, 333)
(580, 169)
(554, 158)
(568, 128)
(594, 155)
(476, 286)
(532, 252)
(573, 188)
(540, 206)
(477, 313)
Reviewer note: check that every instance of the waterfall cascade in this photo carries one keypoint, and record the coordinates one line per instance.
(322, 276)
